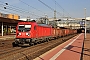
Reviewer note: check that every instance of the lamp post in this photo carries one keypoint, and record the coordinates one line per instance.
(85, 23)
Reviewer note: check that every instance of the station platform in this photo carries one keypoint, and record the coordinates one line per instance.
(7, 37)
(70, 50)
(86, 49)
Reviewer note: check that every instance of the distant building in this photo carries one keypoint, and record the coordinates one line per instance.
(26, 19)
(87, 18)
(23, 19)
(10, 16)
(13, 16)
(43, 20)
(72, 24)
(52, 19)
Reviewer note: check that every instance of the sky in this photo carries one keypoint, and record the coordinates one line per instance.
(35, 9)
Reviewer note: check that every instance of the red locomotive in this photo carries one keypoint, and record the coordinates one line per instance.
(31, 33)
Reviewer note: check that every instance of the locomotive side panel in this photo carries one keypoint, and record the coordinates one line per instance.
(67, 31)
(43, 31)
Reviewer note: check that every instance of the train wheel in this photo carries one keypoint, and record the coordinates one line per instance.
(14, 44)
(39, 42)
(31, 44)
(42, 41)
(35, 43)
(46, 40)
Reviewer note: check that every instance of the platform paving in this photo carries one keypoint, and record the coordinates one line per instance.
(86, 50)
(70, 50)
(7, 37)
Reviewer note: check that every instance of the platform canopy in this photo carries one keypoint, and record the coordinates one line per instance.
(7, 21)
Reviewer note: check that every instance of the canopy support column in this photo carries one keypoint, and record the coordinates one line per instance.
(2, 28)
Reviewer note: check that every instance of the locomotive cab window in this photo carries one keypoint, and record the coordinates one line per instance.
(24, 28)
(27, 28)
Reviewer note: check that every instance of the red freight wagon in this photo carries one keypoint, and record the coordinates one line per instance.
(63, 32)
(67, 31)
(75, 31)
(55, 32)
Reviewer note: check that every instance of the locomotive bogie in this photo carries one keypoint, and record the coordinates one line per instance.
(22, 41)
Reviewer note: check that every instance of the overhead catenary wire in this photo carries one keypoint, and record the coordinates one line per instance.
(50, 7)
(3, 10)
(32, 7)
(61, 7)
(27, 12)
(46, 5)
(10, 9)
(14, 10)
(18, 10)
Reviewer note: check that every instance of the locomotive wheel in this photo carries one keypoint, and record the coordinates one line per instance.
(39, 42)
(31, 44)
(14, 44)
(35, 43)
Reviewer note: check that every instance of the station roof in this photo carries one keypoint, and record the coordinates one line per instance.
(9, 21)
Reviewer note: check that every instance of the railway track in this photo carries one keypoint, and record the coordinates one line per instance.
(29, 53)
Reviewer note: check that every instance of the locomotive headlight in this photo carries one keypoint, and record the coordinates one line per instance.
(19, 33)
(27, 34)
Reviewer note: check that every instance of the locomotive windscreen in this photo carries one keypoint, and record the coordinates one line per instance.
(24, 28)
